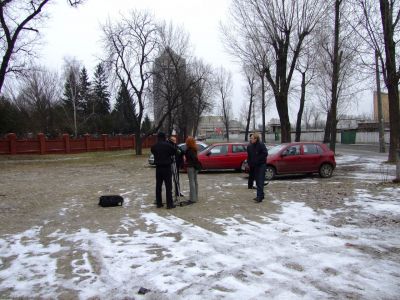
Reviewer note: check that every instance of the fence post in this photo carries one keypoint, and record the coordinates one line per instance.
(134, 141)
(42, 143)
(105, 142)
(87, 141)
(67, 146)
(12, 142)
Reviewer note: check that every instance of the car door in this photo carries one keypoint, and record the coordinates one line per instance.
(216, 157)
(290, 160)
(237, 155)
(311, 157)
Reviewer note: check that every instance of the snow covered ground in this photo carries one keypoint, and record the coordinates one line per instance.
(295, 253)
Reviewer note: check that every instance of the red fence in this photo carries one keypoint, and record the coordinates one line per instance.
(65, 144)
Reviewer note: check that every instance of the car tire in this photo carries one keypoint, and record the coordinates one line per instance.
(270, 173)
(326, 170)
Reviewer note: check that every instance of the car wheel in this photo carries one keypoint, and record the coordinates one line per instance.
(270, 173)
(326, 170)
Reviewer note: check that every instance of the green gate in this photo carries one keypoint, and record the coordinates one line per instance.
(348, 136)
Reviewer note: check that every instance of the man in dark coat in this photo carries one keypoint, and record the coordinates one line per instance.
(256, 156)
(250, 182)
(163, 151)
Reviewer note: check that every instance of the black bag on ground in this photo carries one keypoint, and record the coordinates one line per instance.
(110, 200)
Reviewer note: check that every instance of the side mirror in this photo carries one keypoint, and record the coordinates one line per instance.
(208, 153)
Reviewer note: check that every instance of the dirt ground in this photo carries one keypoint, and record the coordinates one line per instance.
(35, 188)
(34, 191)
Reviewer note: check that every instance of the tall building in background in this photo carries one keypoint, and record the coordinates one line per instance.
(168, 89)
(385, 107)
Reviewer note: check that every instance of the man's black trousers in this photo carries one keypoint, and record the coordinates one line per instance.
(164, 174)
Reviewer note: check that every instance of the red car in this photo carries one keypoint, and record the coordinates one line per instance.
(223, 156)
(300, 158)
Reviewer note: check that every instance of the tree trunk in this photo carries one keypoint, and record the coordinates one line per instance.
(4, 65)
(327, 133)
(335, 77)
(281, 105)
(248, 119)
(138, 142)
(263, 106)
(301, 108)
(379, 100)
(392, 78)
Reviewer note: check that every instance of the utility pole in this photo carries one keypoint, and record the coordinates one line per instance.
(380, 113)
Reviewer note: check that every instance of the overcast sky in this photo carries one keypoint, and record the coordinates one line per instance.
(76, 33)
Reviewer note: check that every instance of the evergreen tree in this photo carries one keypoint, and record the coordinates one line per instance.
(11, 118)
(123, 112)
(84, 96)
(146, 125)
(100, 91)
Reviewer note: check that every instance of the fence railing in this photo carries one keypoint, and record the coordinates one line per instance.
(66, 144)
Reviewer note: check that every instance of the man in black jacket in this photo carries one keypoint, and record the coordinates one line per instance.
(250, 182)
(162, 152)
(256, 156)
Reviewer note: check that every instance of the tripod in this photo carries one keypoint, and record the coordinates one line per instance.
(175, 177)
(179, 198)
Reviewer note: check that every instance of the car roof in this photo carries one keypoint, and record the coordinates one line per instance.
(197, 142)
(230, 143)
(296, 143)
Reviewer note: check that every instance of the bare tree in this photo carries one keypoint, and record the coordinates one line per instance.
(171, 83)
(39, 92)
(390, 14)
(202, 91)
(307, 116)
(338, 67)
(246, 44)
(224, 86)
(251, 92)
(380, 22)
(281, 28)
(131, 45)
(71, 93)
(306, 67)
(19, 33)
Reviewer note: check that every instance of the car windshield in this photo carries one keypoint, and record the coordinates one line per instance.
(276, 149)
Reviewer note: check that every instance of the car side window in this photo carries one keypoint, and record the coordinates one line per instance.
(219, 150)
(238, 148)
(311, 149)
(293, 150)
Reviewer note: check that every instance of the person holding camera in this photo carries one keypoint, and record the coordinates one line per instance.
(162, 152)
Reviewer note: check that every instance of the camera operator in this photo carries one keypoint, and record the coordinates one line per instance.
(162, 152)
